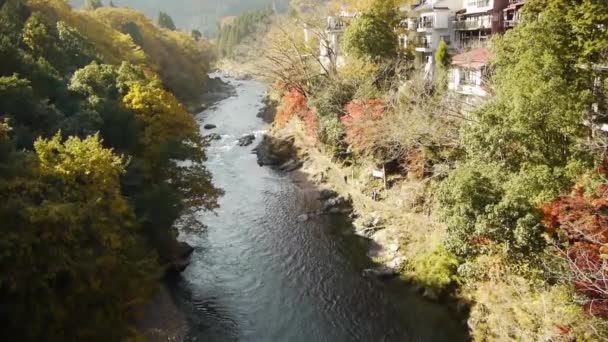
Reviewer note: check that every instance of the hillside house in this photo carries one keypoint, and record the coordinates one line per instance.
(467, 74)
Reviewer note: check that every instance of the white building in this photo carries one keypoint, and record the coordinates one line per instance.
(330, 45)
(331, 54)
(434, 23)
(467, 73)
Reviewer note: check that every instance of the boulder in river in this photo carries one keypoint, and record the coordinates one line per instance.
(274, 151)
(213, 136)
(246, 140)
(209, 126)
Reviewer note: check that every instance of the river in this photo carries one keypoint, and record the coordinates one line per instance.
(258, 274)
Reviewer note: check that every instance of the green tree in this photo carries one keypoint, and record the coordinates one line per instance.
(371, 36)
(76, 251)
(442, 55)
(165, 21)
(442, 63)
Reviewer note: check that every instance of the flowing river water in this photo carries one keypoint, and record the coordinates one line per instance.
(258, 274)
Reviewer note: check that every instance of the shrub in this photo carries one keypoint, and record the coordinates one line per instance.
(435, 268)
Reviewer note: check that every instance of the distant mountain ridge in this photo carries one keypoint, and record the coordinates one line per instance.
(203, 15)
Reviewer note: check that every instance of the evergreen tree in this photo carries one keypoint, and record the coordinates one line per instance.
(165, 21)
(442, 63)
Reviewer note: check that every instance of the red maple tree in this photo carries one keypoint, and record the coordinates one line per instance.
(584, 220)
(357, 118)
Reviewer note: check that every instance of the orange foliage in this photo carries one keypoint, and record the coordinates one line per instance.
(359, 113)
(293, 104)
(585, 222)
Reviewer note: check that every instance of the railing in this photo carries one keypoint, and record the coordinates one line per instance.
(470, 25)
(510, 23)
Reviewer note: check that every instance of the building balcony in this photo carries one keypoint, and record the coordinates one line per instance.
(424, 46)
(471, 25)
(425, 25)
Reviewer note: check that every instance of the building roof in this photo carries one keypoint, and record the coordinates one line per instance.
(474, 59)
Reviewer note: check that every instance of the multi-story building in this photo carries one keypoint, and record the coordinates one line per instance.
(478, 20)
(434, 23)
(330, 45)
(512, 13)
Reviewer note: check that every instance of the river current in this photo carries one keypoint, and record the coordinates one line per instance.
(258, 274)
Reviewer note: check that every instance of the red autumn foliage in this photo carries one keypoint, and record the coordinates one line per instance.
(358, 114)
(584, 220)
(293, 104)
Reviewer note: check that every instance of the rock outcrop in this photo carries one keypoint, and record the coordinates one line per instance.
(246, 140)
(268, 110)
(182, 258)
(274, 151)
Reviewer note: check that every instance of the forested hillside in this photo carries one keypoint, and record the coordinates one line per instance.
(233, 33)
(90, 185)
(203, 15)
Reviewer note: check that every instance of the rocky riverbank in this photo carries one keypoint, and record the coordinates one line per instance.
(383, 223)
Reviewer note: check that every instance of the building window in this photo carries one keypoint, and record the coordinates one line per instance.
(468, 76)
(446, 39)
(478, 3)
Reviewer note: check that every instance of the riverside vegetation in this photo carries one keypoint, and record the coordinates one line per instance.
(507, 197)
(93, 135)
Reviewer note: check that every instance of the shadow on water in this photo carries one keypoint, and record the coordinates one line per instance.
(259, 274)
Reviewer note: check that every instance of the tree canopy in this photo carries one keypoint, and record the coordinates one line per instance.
(90, 179)
(371, 36)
